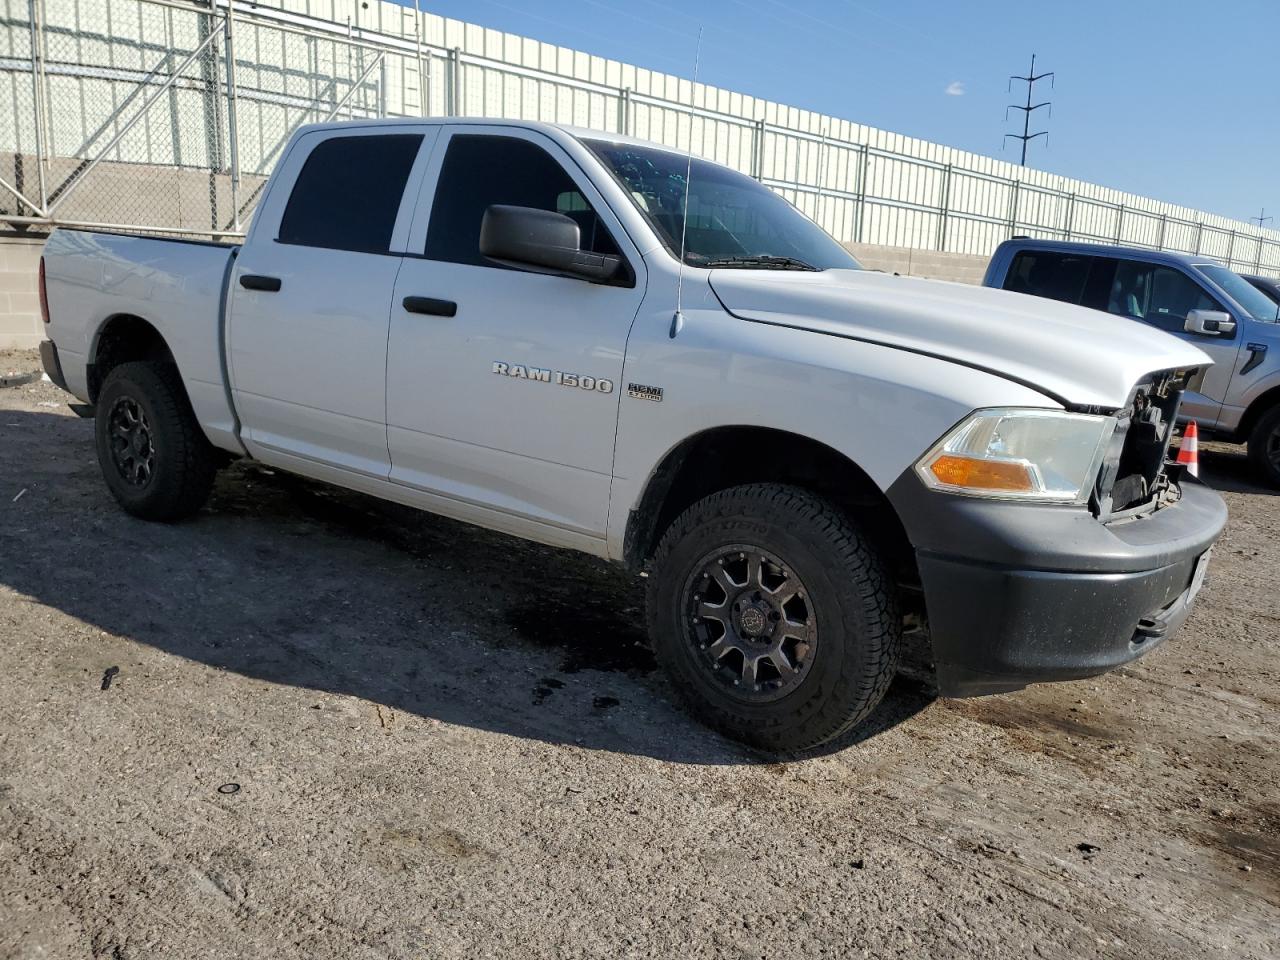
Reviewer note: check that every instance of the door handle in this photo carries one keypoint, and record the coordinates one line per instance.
(431, 306)
(252, 281)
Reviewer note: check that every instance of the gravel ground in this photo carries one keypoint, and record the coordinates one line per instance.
(342, 729)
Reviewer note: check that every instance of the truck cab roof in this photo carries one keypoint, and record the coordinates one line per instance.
(1119, 251)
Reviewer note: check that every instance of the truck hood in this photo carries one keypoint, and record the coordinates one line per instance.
(1075, 355)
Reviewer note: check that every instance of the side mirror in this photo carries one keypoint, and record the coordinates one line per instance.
(543, 241)
(1210, 323)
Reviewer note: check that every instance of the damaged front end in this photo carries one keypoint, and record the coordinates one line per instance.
(1136, 474)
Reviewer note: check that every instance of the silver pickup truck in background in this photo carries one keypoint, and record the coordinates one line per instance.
(1192, 297)
(599, 344)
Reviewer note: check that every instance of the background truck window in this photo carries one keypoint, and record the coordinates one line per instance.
(479, 171)
(348, 193)
(1057, 276)
(1162, 296)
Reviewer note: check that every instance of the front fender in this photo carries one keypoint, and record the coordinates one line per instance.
(878, 406)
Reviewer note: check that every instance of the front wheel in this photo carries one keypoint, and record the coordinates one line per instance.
(1264, 446)
(154, 458)
(774, 617)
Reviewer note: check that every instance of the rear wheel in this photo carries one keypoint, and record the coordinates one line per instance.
(774, 617)
(1264, 446)
(156, 461)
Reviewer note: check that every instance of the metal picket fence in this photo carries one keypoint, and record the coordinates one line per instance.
(166, 116)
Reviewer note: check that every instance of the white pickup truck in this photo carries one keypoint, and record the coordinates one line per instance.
(479, 319)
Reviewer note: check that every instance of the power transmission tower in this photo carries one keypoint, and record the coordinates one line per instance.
(1261, 219)
(1026, 135)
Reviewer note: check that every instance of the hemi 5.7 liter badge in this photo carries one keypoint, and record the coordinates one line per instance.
(520, 372)
(642, 391)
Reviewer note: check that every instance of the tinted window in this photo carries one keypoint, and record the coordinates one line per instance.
(729, 215)
(348, 193)
(1057, 276)
(1269, 287)
(479, 171)
(1255, 301)
(1162, 296)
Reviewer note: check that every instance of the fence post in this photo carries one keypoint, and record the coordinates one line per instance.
(424, 106)
(455, 82)
(942, 210)
(1120, 223)
(1231, 251)
(1013, 207)
(1164, 223)
(1070, 216)
(37, 97)
(862, 193)
(233, 138)
(1199, 234)
(758, 159)
(624, 111)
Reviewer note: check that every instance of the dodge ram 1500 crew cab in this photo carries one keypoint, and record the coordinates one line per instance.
(478, 318)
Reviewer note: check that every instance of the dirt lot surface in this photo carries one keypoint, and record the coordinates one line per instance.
(344, 730)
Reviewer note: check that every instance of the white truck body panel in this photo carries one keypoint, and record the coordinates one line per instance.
(176, 285)
(332, 378)
(1055, 346)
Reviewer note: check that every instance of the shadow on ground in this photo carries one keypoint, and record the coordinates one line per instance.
(292, 582)
(1227, 467)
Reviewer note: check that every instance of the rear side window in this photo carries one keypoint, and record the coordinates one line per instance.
(1057, 276)
(481, 170)
(348, 193)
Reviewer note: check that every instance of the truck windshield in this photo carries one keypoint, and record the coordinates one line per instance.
(1259, 305)
(734, 221)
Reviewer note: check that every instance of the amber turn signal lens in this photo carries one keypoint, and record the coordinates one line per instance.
(957, 471)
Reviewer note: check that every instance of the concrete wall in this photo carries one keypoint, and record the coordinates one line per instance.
(20, 324)
(961, 267)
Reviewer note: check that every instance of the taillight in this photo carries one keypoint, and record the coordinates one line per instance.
(44, 295)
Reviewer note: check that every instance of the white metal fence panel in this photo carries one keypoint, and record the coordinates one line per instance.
(167, 116)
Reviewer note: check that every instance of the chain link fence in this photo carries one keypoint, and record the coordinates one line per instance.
(163, 116)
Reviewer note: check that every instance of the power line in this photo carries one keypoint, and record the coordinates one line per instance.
(1026, 135)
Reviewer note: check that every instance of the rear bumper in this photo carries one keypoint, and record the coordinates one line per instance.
(1019, 594)
(52, 365)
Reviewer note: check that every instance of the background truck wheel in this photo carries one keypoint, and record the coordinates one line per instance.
(1264, 446)
(156, 461)
(774, 617)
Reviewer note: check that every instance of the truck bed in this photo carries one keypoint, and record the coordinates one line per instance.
(176, 286)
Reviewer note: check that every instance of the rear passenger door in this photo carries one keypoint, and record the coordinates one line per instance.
(311, 298)
(505, 397)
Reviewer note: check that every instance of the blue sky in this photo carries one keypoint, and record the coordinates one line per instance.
(1173, 99)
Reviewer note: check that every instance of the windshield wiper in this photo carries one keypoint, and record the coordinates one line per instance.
(760, 262)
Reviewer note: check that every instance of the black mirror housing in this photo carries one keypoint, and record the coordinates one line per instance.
(544, 241)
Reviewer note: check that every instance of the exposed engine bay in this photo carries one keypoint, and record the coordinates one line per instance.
(1134, 472)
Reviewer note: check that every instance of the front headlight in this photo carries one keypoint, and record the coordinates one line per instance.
(1023, 454)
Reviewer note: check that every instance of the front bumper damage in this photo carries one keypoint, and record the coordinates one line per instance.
(1020, 593)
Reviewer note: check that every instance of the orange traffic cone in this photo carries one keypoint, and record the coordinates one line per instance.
(1189, 449)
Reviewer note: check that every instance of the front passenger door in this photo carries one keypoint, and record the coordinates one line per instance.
(504, 394)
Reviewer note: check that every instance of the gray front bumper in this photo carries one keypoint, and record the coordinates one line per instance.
(1023, 593)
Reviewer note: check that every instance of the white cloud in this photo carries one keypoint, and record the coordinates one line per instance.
(955, 89)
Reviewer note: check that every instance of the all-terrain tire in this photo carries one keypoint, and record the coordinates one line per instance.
(1264, 446)
(858, 628)
(156, 461)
